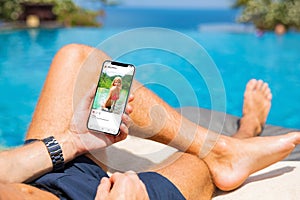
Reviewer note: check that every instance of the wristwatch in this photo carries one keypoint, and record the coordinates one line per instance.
(55, 153)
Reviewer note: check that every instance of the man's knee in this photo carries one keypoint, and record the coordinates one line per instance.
(75, 55)
(76, 48)
(78, 51)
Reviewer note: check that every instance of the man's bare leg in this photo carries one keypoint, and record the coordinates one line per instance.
(152, 117)
(230, 160)
(256, 107)
(192, 179)
(21, 191)
(63, 88)
(55, 106)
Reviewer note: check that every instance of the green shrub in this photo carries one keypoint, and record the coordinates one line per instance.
(66, 11)
(266, 14)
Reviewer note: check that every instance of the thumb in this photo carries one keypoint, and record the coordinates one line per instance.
(103, 189)
(88, 97)
(81, 111)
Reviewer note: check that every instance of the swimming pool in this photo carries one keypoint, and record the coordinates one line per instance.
(26, 56)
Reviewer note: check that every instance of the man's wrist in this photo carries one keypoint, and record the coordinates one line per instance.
(69, 145)
(74, 143)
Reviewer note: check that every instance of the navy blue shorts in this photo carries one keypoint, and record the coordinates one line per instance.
(81, 177)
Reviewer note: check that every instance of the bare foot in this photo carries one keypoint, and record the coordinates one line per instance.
(257, 104)
(232, 160)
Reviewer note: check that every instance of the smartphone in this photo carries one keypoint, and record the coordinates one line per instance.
(111, 97)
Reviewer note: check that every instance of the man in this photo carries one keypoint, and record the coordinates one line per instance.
(226, 164)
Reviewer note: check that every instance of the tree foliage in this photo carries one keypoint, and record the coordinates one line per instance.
(266, 14)
(106, 81)
(66, 11)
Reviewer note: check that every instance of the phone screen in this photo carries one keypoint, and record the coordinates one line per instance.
(111, 97)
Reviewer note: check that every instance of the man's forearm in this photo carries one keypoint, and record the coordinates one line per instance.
(32, 160)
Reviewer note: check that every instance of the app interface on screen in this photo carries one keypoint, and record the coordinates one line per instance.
(110, 99)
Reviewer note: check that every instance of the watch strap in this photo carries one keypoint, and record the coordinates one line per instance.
(55, 153)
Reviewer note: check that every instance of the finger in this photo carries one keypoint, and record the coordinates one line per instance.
(135, 178)
(115, 176)
(81, 111)
(103, 189)
(128, 109)
(123, 133)
(126, 120)
(91, 93)
(130, 98)
(130, 173)
(87, 98)
(124, 128)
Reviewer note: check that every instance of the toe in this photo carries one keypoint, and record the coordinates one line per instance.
(259, 85)
(265, 87)
(251, 84)
(269, 96)
(267, 91)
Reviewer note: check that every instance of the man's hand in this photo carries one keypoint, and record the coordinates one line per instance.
(86, 140)
(126, 186)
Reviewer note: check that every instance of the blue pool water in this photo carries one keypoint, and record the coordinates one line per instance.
(27, 54)
(168, 18)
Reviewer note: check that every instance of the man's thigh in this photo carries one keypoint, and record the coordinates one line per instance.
(16, 191)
